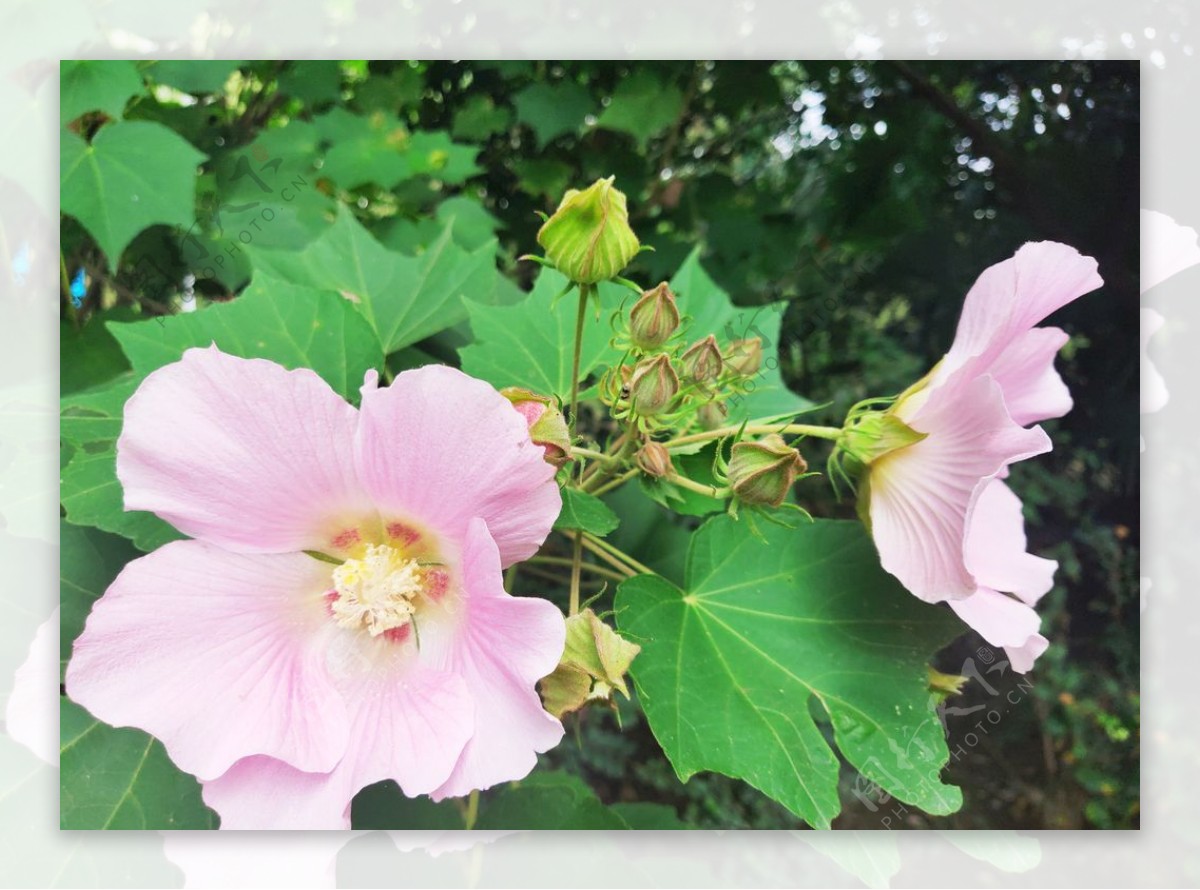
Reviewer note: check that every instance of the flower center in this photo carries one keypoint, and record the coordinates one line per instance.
(378, 592)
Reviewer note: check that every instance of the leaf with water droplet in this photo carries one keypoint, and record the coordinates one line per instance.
(730, 663)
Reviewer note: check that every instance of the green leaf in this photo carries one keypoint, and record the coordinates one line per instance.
(471, 227)
(365, 148)
(133, 175)
(89, 356)
(296, 326)
(528, 344)
(552, 109)
(585, 511)
(92, 496)
(122, 779)
(479, 118)
(551, 801)
(197, 76)
(649, 816)
(88, 563)
(712, 312)
(432, 153)
(766, 628)
(404, 298)
(384, 806)
(95, 415)
(642, 106)
(96, 85)
(314, 81)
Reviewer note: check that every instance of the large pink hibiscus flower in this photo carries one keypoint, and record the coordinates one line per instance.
(339, 617)
(943, 521)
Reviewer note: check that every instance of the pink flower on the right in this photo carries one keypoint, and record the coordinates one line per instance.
(944, 522)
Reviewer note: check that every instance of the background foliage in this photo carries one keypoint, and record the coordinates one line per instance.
(863, 196)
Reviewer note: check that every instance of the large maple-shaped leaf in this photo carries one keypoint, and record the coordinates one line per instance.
(765, 629)
(404, 298)
(134, 174)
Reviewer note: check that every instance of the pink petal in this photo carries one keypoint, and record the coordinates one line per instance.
(408, 722)
(1167, 248)
(1033, 391)
(1011, 297)
(443, 447)
(995, 548)
(1004, 621)
(241, 453)
(218, 655)
(921, 497)
(1022, 657)
(506, 645)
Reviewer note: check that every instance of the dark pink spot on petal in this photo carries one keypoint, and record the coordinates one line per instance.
(437, 582)
(405, 534)
(331, 598)
(346, 539)
(398, 634)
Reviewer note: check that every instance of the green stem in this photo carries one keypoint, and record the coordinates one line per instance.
(472, 809)
(561, 561)
(711, 491)
(625, 570)
(592, 455)
(614, 483)
(576, 570)
(602, 544)
(797, 429)
(577, 546)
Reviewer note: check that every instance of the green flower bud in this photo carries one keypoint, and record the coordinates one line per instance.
(653, 318)
(702, 361)
(762, 472)
(653, 460)
(745, 357)
(547, 426)
(712, 415)
(588, 238)
(653, 386)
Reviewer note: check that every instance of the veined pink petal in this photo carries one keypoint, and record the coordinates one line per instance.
(506, 644)
(409, 722)
(1011, 297)
(1004, 621)
(921, 497)
(217, 654)
(995, 547)
(241, 453)
(1167, 248)
(443, 447)
(1033, 391)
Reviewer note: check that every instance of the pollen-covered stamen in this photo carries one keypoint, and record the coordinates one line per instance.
(378, 592)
